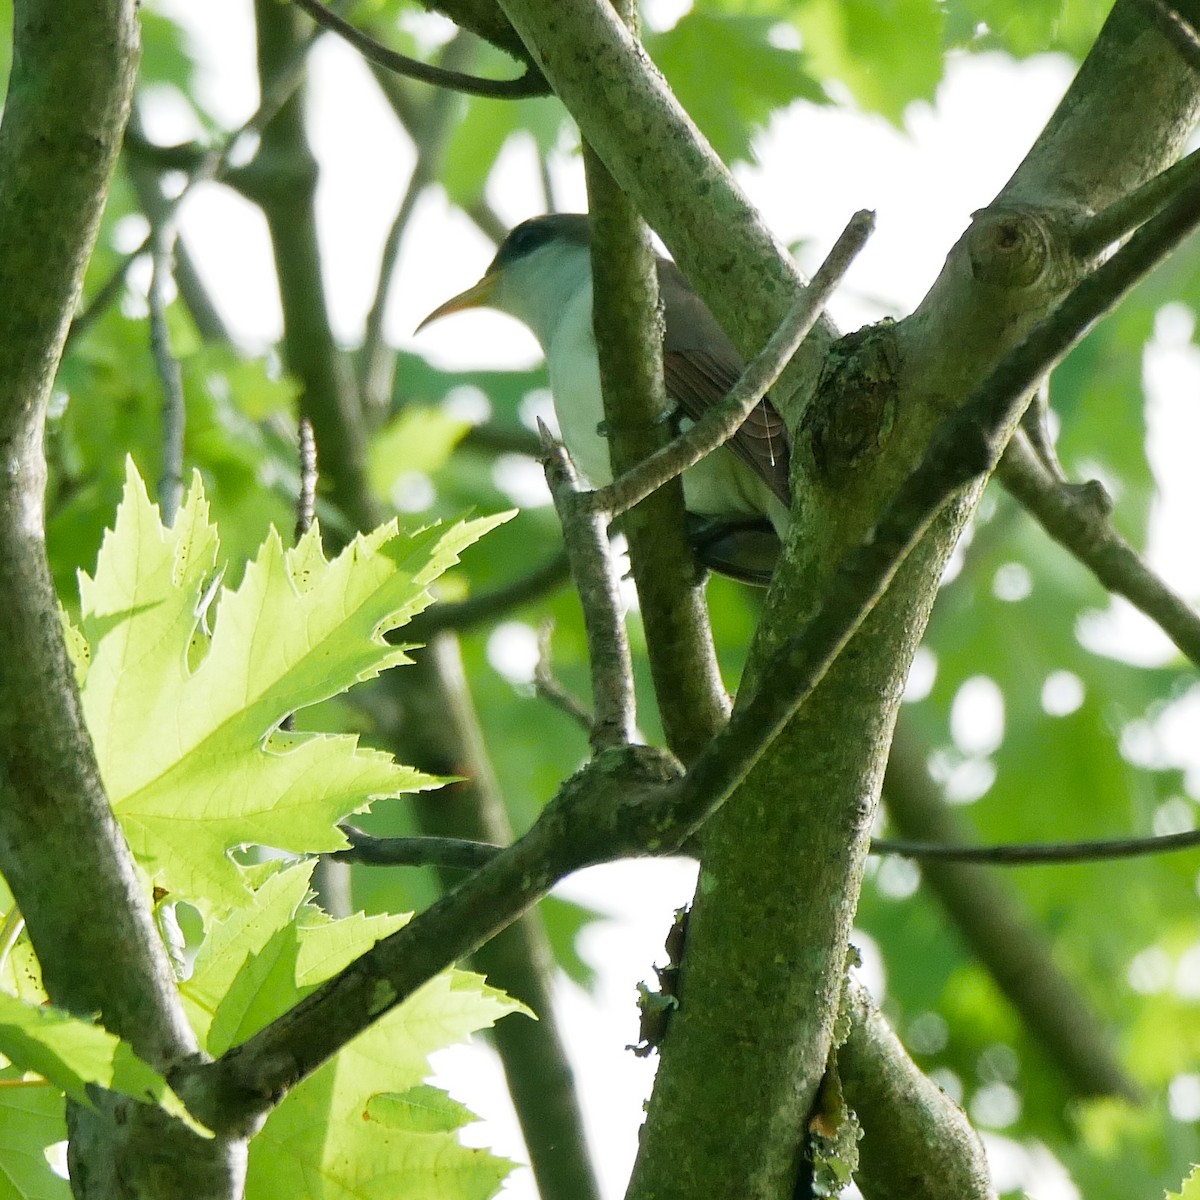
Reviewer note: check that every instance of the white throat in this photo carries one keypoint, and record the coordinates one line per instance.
(541, 288)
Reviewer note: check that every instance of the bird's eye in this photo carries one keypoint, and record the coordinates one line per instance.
(524, 239)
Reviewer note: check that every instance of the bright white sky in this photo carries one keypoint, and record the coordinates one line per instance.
(923, 184)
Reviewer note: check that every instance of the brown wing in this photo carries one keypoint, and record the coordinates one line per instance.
(700, 365)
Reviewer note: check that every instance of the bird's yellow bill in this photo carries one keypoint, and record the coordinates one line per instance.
(476, 296)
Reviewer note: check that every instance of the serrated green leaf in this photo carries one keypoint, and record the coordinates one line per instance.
(187, 728)
(1190, 1189)
(71, 1054)
(365, 1124)
(230, 942)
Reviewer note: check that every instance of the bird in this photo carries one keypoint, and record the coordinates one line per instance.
(738, 498)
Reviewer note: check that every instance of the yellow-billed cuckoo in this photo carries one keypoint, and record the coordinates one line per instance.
(738, 497)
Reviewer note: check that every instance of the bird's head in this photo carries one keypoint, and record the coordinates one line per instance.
(539, 268)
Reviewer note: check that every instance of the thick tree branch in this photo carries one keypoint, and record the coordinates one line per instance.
(58, 145)
(68, 101)
(1182, 35)
(916, 1140)
(614, 806)
(692, 701)
(1075, 518)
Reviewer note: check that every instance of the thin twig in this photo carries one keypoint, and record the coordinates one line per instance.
(306, 498)
(550, 688)
(457, 853)
(722, 421)
(431, 137)
(529, 84)
(1023, 854)
(461, 615)
(463, 854)
(1123, 216)
(1070, 515)
(174, 405)
(208, 165)
(585, 537)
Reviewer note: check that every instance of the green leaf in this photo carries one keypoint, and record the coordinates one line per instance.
(32, 1118)
(1190, 1189)
(71, 1054)
(887, 52)
(419, 438)
(1025, 27)
(187, 727)
(755, 79)
(486, 127)
(365, 1124)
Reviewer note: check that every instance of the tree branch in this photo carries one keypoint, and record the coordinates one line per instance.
(692, 701)
(1031, 854)
(1181, 35)
(464, 854)
(1125, 215)
(548, 687)
(613, 806)
(1074, 519)
(916, 1140)
(529, 84)
(584, 534)
(69, 97)
(463, 615)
